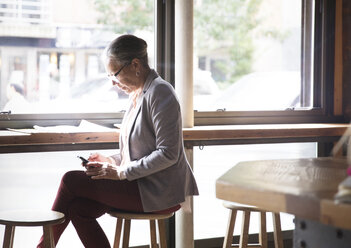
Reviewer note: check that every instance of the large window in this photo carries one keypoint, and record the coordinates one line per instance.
(248, 54)
(50, 61)
(257, 55)
(34, 184)
(262, 58)
(211, 162)
(268, 59)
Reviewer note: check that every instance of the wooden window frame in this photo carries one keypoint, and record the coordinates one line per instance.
(323, 74)
(323, 77)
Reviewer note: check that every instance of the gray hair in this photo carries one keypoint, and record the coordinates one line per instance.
(125, 48)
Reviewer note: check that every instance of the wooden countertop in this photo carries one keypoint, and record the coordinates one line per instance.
(201, 134)
(12, 138)
(264, 131)
(196, 133)
(302, 187)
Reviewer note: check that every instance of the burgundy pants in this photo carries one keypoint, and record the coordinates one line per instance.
(83, 200)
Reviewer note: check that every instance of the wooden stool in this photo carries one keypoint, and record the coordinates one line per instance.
(128, 216)
(243, 243)
(14, 218)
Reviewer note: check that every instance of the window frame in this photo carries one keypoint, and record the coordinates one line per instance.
(323, 76)
(323, 71)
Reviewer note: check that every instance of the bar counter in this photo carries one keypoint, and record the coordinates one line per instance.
(25, 140)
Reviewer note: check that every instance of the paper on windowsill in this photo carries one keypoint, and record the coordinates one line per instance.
(84, 126)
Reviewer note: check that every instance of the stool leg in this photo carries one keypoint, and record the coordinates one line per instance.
(263, 230)
(48, 237)
(244, 237)
(118, 233)
(278, 238)
(153, 234)
(9, 236)
(228, 239)
(162, 233)
(126, 233)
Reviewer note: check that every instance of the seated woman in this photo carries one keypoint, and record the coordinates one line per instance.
(150, 173)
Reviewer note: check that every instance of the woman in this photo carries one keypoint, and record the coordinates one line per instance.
(150, 173)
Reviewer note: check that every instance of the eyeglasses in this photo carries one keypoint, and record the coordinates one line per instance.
(114, 76)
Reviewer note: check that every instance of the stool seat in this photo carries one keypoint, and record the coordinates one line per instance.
(139, 216)
(242, 207)
(31, 217)
(243, 242)
(44, 218)
(124, 221)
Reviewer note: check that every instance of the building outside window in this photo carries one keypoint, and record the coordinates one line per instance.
(247, 57)
(53, 53)
(249, 52)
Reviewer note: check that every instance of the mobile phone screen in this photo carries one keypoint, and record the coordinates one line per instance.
(84, 161)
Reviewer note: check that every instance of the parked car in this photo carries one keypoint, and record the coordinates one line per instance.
(261, 91)
(96, 87)
(90, 96)
(205, 89)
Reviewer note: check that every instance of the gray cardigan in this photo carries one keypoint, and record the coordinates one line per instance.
(156, 149)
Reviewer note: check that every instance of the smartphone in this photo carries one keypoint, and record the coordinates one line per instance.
(84, 161)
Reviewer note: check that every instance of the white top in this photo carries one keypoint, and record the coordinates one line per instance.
(127, 125)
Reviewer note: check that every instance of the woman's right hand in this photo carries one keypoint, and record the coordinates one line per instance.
(97, 157)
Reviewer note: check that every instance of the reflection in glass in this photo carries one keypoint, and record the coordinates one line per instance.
(251, 52)
(53, 53)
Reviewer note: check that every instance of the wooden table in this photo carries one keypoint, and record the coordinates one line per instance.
(302, 187)
(199, 135)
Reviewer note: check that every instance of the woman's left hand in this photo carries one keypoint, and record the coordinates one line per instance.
(98, 170)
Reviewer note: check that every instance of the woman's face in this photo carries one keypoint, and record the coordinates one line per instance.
(125, 79)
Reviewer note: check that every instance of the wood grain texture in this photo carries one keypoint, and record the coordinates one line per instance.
(198, 133)
(264, 131)
(303, 187)
(58, 138)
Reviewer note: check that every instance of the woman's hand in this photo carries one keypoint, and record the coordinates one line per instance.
(97, 157)
(98, 170)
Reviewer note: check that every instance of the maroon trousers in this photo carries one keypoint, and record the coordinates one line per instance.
(83, 200)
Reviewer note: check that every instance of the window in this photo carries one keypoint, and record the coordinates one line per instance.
(255, 54)
(22, 185)
(55, 58)
(249, 58)
(211, 162)
(263, 57)
(51, 55)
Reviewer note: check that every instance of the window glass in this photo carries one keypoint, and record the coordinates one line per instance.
(248, 55)
(34, 184)
(50, 54)
(211, 162)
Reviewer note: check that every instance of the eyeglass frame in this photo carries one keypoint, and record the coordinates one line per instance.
(114, 76)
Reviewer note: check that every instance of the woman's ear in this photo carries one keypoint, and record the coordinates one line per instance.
(136, 64)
